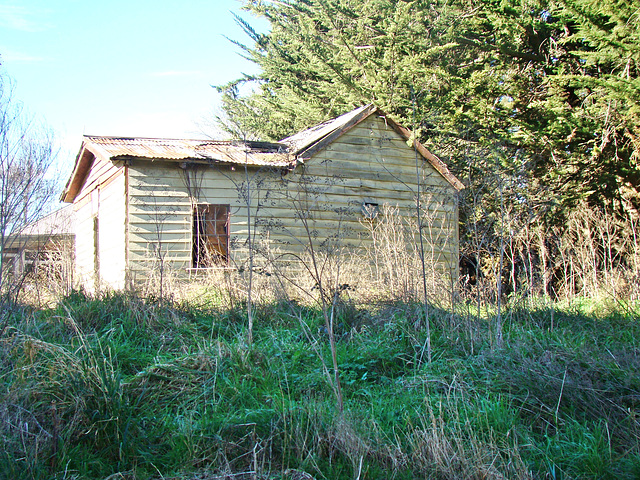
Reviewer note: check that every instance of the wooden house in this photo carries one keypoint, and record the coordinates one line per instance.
(189, 205)
(43, 247)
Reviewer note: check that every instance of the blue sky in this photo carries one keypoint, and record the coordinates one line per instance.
(125, 68)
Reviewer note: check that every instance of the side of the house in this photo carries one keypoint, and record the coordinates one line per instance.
(187, 218)
(177, 212)
(344, 190)
(100, 227)
(140, 217)
(159, 207)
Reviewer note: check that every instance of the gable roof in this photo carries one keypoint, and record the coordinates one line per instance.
(173, 150)
(307, 143)
(123, 148)
(304, 144)
(284, 154)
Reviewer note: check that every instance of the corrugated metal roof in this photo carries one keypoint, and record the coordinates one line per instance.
(286, 153)
(252, 153)
(307, 138)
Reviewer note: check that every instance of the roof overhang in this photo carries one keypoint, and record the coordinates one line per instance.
(124, 150)
(430, 157)
(84, 161)
(285, 154)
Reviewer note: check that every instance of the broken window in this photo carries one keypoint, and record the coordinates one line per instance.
(210, 235)
(370, 210)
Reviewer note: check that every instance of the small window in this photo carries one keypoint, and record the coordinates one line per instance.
(370, 210)
(210, 236)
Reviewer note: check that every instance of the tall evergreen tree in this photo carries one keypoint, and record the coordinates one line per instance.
(596, 94)
(551, 84)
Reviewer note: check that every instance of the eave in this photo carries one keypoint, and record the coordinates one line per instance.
(83, 164)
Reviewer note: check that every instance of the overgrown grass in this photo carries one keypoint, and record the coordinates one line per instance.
(140, 388)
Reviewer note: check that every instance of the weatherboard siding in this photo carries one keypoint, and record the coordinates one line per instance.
(102, 171)
(159, 219)
(161, 200)
(370, 163)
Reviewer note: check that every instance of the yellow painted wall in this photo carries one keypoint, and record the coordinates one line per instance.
(159, 219)
(370, 163)
(106, 203)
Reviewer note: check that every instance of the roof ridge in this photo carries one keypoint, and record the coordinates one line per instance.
(307, 139)
(119, 137)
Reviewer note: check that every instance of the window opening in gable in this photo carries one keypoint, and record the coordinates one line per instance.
(210, 236)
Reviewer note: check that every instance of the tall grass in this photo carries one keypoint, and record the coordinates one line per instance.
(133, 387)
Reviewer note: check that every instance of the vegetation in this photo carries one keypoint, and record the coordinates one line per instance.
(27, 153)
(552, 82)
(529, 368)
(127, 387)
(532, 103)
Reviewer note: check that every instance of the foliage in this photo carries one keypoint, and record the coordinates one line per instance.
(533, 103)
(552, 82)
(132, 387)
(26, 189)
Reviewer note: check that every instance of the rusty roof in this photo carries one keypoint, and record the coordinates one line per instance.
(175, 150)
(284, 154)
(250, 153)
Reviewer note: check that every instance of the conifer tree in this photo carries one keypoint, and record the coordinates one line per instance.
(552, 84)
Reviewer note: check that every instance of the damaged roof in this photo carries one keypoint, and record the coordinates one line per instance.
(307, 143)
(323, 133)
(284, 154)
(252, 153)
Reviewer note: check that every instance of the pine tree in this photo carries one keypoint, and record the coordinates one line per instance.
(550, 87)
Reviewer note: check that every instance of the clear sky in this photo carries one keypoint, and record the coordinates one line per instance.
(121, 67)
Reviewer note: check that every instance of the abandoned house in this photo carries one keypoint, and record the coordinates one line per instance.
(43, 247)
(189, 205)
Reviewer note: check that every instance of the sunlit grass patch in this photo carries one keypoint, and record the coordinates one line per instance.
(150, 389)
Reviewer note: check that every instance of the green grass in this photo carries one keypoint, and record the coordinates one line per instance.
(151, 389)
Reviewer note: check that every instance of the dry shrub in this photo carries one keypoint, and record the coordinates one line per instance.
(48, 278)
(227, 287)
(386, 265)
(393, 254)
(592, 252)
(453, 449)
(599, 253)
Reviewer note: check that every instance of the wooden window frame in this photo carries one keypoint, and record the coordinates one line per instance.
(210, 241)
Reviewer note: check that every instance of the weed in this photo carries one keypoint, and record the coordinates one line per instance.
(133, 387)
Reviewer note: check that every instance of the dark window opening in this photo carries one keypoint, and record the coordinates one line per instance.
(210, 236)
(370, 210)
